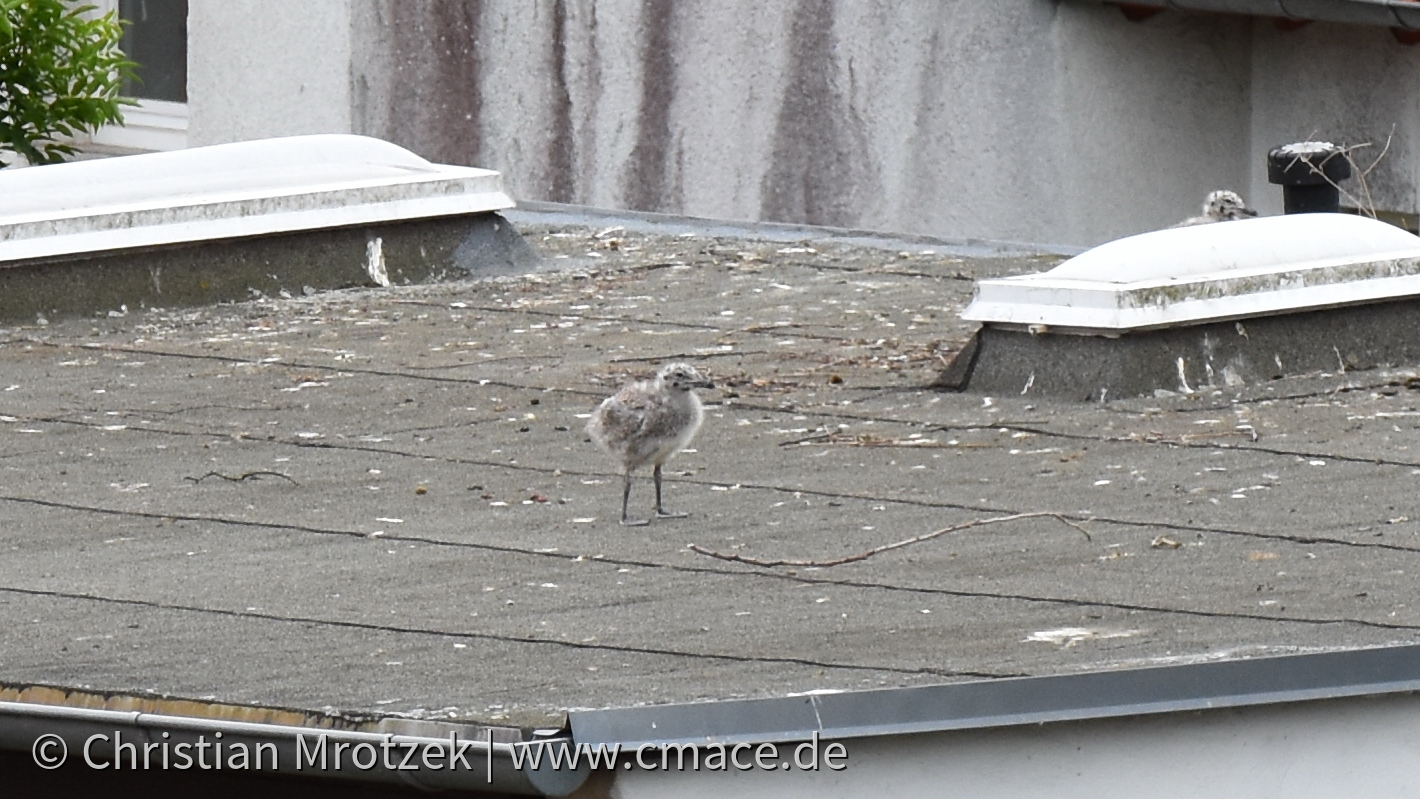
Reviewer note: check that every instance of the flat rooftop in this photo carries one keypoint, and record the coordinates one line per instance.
(381, 502)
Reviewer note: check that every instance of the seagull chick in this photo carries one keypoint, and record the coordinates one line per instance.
(647, 422)
(1221, 206)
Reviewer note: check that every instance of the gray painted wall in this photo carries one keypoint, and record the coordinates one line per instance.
(263, 68)
(1029, 120)
(1315, 750)
(1295, 79)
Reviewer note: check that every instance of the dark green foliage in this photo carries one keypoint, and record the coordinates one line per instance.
(60, 75)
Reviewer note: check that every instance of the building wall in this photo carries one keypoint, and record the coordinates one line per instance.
(947, 118)
(262, 68)
(1344, 84)
(1029, 120)
(1153, 116)
(1316, 750)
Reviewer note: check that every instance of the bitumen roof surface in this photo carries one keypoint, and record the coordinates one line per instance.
(382, 501)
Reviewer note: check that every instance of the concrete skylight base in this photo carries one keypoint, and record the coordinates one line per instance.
(231, 221)
(1093, 368)
(1213, 305)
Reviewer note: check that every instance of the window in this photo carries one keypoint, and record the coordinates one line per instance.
(156, 38)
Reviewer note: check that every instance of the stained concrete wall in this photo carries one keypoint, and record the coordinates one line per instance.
(1020, 120)
(1028, 120)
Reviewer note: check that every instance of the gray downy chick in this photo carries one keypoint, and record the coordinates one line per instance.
(649, 421)
(1221, 206)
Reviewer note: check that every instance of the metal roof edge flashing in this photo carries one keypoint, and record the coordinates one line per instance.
(1010, 701)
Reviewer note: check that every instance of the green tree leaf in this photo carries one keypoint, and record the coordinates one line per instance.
(61, 72)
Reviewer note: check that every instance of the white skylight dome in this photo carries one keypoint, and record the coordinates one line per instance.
(229, 191)
(1209, 273)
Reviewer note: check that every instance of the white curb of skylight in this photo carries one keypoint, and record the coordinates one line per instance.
(1209, 273)
(227, 191)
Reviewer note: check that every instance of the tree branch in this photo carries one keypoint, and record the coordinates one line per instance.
(734, 558)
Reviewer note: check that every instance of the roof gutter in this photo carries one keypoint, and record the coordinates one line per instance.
(104, 739)
(1385, 13)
